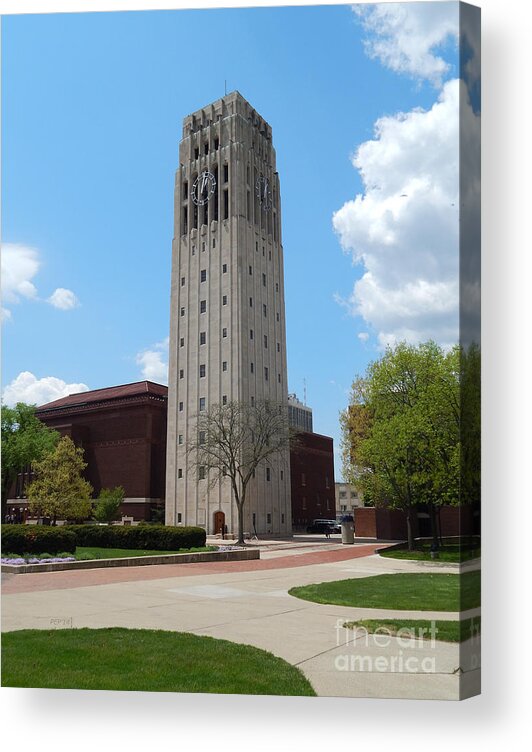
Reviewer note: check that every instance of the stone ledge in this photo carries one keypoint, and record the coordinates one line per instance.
(244, 554)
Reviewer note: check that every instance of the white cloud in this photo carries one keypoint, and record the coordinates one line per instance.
(154, 362)
(63, 299)
(20, 264)
(404, 228)
(406, 37)
(28, 388)
(363, 336)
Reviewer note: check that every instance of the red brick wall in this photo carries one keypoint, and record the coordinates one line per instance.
(312, 479)
(390, 524)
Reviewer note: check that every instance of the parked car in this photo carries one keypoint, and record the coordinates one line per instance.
(321, 526)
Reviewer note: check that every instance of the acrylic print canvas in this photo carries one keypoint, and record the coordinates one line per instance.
(241, 372)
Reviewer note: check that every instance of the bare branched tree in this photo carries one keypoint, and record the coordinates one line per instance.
(231, 441)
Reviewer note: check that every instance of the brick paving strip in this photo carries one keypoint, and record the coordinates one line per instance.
(85, 578)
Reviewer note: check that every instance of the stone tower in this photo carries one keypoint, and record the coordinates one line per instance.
(227, 320)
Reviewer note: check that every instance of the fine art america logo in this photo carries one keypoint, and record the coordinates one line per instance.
(410, 650)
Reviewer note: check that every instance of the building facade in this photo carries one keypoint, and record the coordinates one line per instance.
(299, 414)
(122, 431)
(312, 479)
(227, 322)
(348, 498)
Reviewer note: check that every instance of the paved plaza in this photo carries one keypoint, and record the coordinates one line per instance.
(248, 602)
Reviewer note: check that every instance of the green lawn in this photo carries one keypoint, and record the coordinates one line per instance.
(416, 592)
(143, 660)
(85, 552)
(448, 552)
(446, 631)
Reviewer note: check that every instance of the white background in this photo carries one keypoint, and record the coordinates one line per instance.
(59, 719)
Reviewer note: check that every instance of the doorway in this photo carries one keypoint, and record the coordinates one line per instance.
(219, 523)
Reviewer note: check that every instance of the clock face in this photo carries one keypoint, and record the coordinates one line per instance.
(203, 188)
(264, 193)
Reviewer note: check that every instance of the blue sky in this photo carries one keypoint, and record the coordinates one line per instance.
(92, 110)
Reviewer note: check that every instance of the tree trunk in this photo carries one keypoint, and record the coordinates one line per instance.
(409, 532)
(240, 508)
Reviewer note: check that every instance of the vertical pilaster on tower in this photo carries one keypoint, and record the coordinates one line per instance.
(227, 319)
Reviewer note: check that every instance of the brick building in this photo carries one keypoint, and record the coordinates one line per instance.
(122, 430)
(312, 479)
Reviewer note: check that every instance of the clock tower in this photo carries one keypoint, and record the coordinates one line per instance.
(227, 319)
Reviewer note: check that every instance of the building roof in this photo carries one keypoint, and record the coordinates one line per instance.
(122, 391)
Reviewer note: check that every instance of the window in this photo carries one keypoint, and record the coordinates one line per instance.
(342, 494)
(202, 371)
(224, 268)
(265, 340)
(224, 366)
(203, 275)
(304, 502)
(196, 152)
(182, 342)
(354, 495)
(201, 472)
(282, 518)
(270, 255)
(203, 244)
(265, 373)
(264, 309)
(263, 251)
(203, 306)
(251, 333)
(282, 474)
(179, 516)
(182, 281)
(277, 287)
(264, 280)
(278, 347)
(224, 399)
(202, 338)
(180, 473)
(279, 378)
(226, 204)
(252, 401)
(252, 367)
(181, 373)
(202, 404)
(185, 189)
(214, 242)
(251, 270)
(277, 317)
(224, 332)
(268, 519)
(180, 438)
(206, 148)
(180, 407)
(251, 302)
(303, 479)
(268, 474)
(224, 299)
(226, 173)
(193, 250)
(201, 437)
(182, 311)
(256, 245)
(327, 482)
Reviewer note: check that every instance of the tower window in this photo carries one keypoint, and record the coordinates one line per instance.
(268, 474)
(266, 340)
(193, 249)
(226, 204)
(202, 338)
(184, 223)
(196, 152)
(201, 472)
(181, 373)
(251, 270)
(268, 519)
(180, 473)
(279, 378)
(251, 302)
(264, 280)
(226, 173)
(182, 281)
(264, 309)
(251, 333)
(265, 373)
(224, 399)
(182, 342)
(224, 365)
(251, 367)
(180, 438)
(182, 311)
(214, 242)
(282, 474)
(224, 268)
(179, 516)
(180, 407)
(256, 245)
(277, 287)
(278, 347)
(201, 437)
(203, 306)
(202, 404)
(216, 144)
(252, 400)
(206, 148)
(203, 246)
(277, 317)
(269, 255)
(224, 299)
(224, 332)
(203, 275)
(202, 371)
(185, 189)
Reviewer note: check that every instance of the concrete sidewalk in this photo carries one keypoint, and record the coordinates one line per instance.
(253, 607)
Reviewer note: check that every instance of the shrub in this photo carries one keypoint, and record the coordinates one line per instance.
(37, 539)
(149, 537)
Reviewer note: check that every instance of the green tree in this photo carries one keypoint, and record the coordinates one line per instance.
(59, 490)
(401, 431)
(231, 441)
(25, 439)
(108, 504)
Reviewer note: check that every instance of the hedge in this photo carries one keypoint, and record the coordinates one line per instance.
(37, 539)
(147, 537)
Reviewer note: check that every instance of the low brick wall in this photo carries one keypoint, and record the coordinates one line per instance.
(243, 554)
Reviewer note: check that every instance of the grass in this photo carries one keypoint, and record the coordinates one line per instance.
(144, 660)
(451, 552)
(446, 631)
(414, 592)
